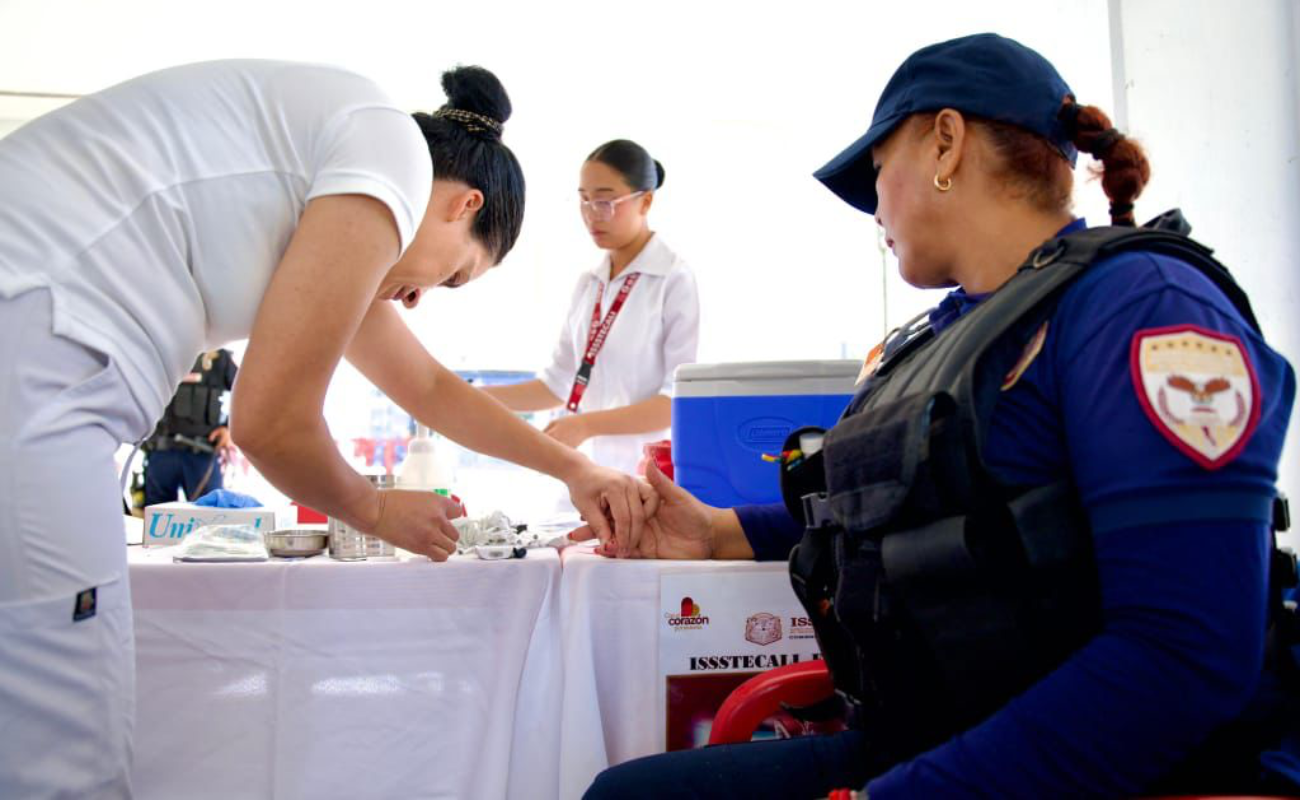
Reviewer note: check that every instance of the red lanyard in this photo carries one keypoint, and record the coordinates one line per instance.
(596, 338)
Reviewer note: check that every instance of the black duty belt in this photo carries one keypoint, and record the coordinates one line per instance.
(179, 441)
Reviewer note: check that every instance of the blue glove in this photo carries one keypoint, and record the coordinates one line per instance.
(224, 498)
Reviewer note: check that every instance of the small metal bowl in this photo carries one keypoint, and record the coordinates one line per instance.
(297, 542)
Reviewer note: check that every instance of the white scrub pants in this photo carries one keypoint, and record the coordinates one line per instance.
(67, 688)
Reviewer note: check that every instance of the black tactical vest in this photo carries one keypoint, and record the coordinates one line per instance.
(195, 409)
(938, 593)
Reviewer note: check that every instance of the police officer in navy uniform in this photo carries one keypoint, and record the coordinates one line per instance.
(1039, 547)
(187, 449)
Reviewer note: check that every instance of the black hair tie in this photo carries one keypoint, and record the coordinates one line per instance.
(1105, 142)
(1118, 211)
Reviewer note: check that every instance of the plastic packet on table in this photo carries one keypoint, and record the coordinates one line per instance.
(554, 531)
(494, 536)
(222, 543)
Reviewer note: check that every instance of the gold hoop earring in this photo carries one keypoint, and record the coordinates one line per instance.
(945, 186)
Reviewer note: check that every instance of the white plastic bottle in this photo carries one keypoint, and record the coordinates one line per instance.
(425, 467)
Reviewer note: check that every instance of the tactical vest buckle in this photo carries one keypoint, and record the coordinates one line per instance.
(817, 511)
(1047, 254)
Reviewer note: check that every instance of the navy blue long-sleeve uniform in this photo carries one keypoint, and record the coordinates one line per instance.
(1168, 413)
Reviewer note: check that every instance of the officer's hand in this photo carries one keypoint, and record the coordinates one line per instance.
(572, 430)
(418, 522)
(614, 505)
(680, 527)
(221, 440)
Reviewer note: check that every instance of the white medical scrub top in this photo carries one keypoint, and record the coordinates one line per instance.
(657, 330)
(156, 211)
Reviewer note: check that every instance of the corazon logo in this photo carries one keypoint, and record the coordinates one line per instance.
(690, 617)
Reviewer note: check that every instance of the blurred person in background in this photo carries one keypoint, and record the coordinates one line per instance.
(191, 443)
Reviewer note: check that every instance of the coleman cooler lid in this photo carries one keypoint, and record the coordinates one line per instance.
(766, 378)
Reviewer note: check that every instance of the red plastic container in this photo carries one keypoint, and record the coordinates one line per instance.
(661, 453)
(308, 515)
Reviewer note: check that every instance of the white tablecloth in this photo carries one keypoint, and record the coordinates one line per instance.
(321, 679)
(610, 635)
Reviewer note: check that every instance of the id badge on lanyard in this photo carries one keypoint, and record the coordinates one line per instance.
(596, 339)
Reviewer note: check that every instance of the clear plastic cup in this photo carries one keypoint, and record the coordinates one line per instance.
(375, 547)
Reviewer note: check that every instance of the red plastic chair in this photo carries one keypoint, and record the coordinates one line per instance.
(805, 684)
(802, 684)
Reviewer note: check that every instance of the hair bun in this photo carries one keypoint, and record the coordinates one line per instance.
(478, 91)
(641, 172)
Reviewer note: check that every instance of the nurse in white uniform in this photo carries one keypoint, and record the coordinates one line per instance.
(632, 320)
(170, 214)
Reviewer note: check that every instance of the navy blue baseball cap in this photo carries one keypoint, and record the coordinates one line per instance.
(984, 75)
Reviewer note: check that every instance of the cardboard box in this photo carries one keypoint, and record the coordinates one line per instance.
(169, 523)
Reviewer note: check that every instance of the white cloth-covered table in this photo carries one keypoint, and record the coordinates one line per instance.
(321, 679)
(610, 611)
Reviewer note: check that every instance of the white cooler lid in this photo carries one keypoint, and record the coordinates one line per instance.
(758, 378)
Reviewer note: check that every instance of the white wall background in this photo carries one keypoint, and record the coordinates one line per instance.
(1212, 89)
(741, 101)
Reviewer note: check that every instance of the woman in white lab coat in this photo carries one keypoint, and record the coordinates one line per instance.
(615, 386)
(285, 203)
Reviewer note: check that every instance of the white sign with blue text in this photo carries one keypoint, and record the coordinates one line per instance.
(170, 523)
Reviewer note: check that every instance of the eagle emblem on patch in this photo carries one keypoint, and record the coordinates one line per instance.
(1198, 388)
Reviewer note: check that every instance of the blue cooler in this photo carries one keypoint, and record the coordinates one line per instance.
(726, 416)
